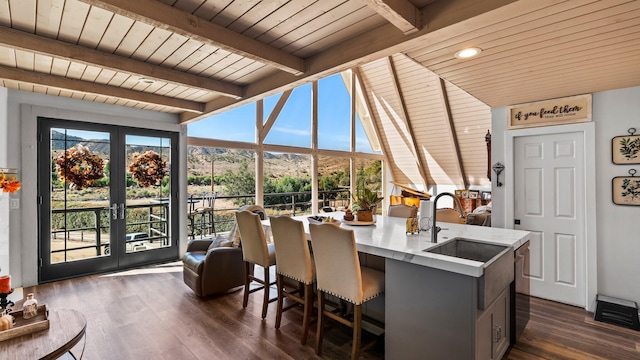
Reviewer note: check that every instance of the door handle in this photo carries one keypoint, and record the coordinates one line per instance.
(122, 211)
(114, 211)
(497, 331)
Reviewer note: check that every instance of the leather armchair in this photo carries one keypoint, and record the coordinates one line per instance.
(212, 271)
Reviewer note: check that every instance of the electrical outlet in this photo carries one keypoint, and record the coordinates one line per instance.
(15, 204)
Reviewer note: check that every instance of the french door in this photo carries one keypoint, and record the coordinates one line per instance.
(106, 197)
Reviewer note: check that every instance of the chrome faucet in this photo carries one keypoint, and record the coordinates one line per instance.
(435, 229)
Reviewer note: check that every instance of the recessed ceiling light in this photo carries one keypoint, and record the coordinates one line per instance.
(468, 52)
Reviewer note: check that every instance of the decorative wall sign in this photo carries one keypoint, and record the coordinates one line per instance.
(562, 111)
(626, 189)
(626, 149)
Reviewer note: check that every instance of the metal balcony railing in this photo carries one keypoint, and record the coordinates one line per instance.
(152, 218)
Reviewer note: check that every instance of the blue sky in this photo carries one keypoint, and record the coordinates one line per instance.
(130, 139)
(293, 126)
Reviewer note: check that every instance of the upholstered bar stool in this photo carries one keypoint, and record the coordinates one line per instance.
(338, 273)
(255, 251)
(294, 261)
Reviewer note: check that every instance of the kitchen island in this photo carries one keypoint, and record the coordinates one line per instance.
(433, 306)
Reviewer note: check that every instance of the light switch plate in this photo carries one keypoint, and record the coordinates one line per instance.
(15, 204)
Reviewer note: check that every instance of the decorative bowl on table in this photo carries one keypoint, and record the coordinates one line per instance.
(317, 219)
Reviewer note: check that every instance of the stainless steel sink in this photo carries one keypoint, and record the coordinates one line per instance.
(468, 249)
(498, 270)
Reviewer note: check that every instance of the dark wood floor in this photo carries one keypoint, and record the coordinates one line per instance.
(150, 314)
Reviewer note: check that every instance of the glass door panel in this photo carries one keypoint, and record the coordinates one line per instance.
(148, 202)
(79, 195)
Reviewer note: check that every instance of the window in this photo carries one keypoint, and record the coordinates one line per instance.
(285, 174)
(237, 124)
(293, 125)
(334, 114)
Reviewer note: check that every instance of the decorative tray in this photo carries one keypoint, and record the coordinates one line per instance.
(23, 327)
(323, 220)
(359, 223)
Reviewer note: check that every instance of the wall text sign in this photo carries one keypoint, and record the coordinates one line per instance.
(567, 110)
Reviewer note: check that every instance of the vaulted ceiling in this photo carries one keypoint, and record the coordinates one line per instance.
(199, 57)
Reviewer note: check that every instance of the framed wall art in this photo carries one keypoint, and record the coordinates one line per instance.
(626, 149)
(626, 189)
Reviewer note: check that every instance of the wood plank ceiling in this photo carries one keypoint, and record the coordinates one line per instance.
(200, 57)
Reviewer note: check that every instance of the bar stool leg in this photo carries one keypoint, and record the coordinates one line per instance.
(308, 308)
(319, 332)
(357, 333)
(265, 301)
(245, 298)
(279, 280)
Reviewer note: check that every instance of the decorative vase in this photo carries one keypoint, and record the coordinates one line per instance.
(30, 307)
(364, 215)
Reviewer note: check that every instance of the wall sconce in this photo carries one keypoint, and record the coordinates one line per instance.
(497, 168)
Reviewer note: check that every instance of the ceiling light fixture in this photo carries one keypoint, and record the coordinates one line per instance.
(468, 52)
(146, 80)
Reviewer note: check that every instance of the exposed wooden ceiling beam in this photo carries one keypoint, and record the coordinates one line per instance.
(447, 18)
(422, 167)
(167, 17)
(452, 130)
(59, 49)
(61, 82)
(401, 13)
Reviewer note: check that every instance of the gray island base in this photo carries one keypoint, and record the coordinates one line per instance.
(433, 314)
(437, 306)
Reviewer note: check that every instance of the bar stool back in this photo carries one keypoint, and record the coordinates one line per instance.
(339, 273)
(294, 261)
(255, 251)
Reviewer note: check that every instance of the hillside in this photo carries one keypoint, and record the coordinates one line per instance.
(276, 165)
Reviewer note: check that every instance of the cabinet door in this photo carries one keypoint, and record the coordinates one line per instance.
(500, 325)
(492, 329)
(484, 336)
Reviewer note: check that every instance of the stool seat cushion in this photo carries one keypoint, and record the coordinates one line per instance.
(372, 283)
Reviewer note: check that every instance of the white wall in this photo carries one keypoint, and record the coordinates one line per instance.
(618, 228)
(4, 198)
(498, 154)
(21, 110)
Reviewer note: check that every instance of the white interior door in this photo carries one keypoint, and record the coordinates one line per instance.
(549, 202)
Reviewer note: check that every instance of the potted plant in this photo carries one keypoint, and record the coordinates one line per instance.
(364, 201)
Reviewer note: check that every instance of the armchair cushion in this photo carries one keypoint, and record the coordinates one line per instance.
(220, 241)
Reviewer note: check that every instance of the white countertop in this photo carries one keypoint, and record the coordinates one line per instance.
(388, 239)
